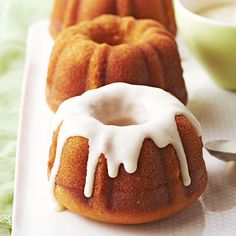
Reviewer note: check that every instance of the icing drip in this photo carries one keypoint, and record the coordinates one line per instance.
(116, 119)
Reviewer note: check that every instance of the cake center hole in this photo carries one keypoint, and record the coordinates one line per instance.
(110, 39)
(122, 121)
(119, 113)
(114, 36)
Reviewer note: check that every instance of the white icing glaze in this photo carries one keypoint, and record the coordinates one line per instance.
(116, 119)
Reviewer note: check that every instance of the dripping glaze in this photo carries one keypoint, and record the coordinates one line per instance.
(116, 125)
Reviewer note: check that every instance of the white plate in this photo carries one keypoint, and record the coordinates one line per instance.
(214, 214)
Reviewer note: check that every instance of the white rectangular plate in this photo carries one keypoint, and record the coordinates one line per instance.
(213, 214)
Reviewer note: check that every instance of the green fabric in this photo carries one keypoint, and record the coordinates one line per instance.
(15, 18)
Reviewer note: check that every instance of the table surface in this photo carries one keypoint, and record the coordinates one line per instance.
(15, 18)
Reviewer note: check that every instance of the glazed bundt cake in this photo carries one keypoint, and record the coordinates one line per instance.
(126, 154)
(112, 49)
(70, 12)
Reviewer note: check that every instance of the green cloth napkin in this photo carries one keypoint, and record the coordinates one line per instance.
(15, 18)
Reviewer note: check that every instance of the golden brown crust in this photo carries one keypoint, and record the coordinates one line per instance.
(70, 12)
(112, 49)
(153, 192)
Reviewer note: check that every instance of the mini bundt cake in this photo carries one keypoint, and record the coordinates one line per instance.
(112, 49)
(126, 154)
(70, 12)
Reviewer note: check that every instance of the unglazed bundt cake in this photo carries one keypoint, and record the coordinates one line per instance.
(126, 154)
(112, 49)
(70, 12)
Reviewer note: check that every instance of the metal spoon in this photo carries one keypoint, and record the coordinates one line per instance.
(224, 150)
